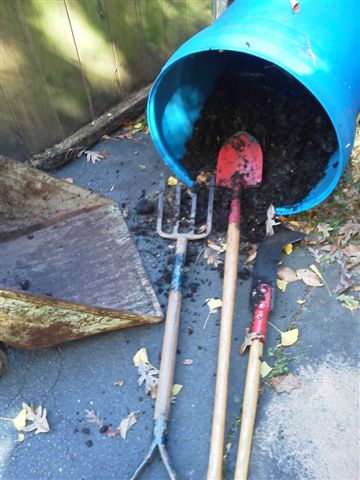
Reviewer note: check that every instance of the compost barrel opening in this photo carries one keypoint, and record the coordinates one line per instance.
(284, 78)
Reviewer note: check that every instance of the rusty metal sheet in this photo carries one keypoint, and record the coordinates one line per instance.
(69, 265)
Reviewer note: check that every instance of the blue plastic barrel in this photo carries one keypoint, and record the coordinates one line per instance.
(318, 46)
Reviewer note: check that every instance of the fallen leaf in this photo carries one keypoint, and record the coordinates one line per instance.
(138, 125)
(126, 423)
(142, 167)
(265, 369)
(285, 383)
(20, 420)
(149, 376)
(308, 277)
(211, 258)
(300, 301)
(287, 274)
(214, 246)
(316, 253)
(104, 153)
(94, 418)
(214, 304)
(288, 249)
(188, 361)
(21, 437)
(348, 301)
(69, 180)
(119, 383)
(318, 273)
(345, 279)
(351, 251)
(38, 419)
(270, 222)
(93, 156)
(172, 181)
(325, 230)
(176, 389)
(140, 356)
(251, 254)
(349, 229)
(289, 338)
(105, 137)
(281, 284)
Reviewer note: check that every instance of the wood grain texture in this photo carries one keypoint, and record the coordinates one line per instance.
(251, 396)
(91, 133)
(64, 62)
(60, 242)
(223, 365)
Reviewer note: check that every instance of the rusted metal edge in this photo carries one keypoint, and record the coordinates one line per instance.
(32, 321)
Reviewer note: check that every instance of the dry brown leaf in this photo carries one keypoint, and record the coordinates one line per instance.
(149, 376)
(287, 274)
(285, 383)
(345, 279)
(126, 423)
(38, 419)
(214, 246)
(94, 418)
(251, 254)
(212, 258)
(308, 277)
(349, 230)
(270, 222)
(325, 230)
(351, 251)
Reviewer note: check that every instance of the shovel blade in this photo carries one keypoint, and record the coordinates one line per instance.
(240, 161)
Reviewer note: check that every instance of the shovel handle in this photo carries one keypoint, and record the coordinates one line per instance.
(249, 409)
(171, 333)
(227, 315)
(251, 394)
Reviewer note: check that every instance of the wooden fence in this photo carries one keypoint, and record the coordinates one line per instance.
(64, 62)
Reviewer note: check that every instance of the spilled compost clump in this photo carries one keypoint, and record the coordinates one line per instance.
(295, 134)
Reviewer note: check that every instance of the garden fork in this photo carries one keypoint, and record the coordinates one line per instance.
(172, 322)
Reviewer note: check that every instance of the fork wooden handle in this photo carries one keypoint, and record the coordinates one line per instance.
(171, 333)
(227, 315)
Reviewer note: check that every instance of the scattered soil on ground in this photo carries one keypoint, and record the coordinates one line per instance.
(295, 134)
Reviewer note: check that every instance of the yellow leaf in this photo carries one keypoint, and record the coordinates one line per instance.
(214, 303)
(172, 181)
(21, 437)
(176, 389)
(20, 420)
(316, 270)
(295, 223)
(290, 337)
(141, 356)
(300, 301)
(138, 125)
(288, 249)
(265, 369)
(142, 167)
(308, 277)
(281, 284)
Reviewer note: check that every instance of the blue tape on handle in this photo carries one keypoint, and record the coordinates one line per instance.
(176, 281)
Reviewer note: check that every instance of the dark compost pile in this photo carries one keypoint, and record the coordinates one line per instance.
(295, 134)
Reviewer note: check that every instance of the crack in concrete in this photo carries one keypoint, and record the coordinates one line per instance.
(59, 373)
(23, 383)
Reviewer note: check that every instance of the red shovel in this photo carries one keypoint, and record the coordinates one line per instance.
(239, 165)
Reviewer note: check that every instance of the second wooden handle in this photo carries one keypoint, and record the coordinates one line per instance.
(227, 315)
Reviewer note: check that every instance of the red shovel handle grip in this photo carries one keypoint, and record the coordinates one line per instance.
(261, 311)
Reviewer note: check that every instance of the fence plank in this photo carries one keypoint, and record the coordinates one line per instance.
(92, 41)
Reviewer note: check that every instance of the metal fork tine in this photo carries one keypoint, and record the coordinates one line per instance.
(160, 205)
(177, 206)
(193, 212)
(210, 205)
